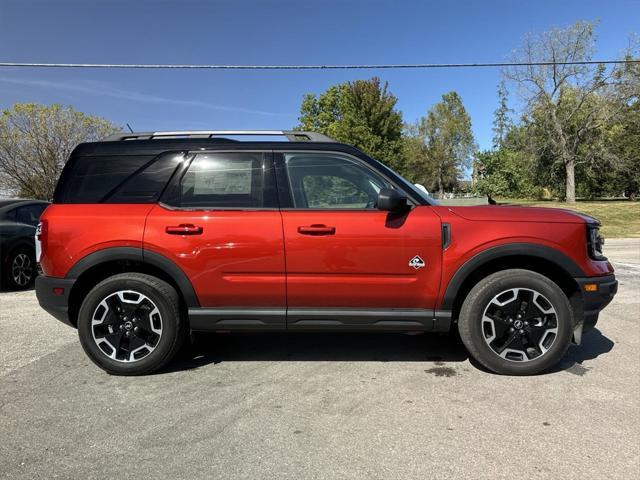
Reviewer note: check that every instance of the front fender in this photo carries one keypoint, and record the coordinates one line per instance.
(502, 251)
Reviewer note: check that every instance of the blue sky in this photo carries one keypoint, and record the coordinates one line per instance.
(273, 32)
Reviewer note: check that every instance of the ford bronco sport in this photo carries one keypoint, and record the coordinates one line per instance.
(153, 235)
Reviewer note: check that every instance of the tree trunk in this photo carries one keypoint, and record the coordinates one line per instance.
(440, 182)
(570, 167)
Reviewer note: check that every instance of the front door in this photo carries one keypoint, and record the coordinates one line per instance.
(219, 222)
(348, 263)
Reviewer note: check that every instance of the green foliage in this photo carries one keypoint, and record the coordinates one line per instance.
(503, 173)
(324, 191)
(578, 131)
(564, 101)
(361, 113)
(502, 122)
(35, 142)
(441, 145)
(624, 142)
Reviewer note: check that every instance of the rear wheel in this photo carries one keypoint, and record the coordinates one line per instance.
(516, 322)
(130, 324)
(20, 269)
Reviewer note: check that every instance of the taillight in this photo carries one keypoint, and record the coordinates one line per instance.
(41, 231)
(41, 239)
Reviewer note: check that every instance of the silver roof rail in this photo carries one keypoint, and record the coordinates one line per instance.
(292, 135)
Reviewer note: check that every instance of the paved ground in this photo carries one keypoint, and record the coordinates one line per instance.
(328, 406)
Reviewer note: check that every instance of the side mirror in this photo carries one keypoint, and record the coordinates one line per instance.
(391, 200)
(421, 187)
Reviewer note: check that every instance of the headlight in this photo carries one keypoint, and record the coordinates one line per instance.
(595, 242)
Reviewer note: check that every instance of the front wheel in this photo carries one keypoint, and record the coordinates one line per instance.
(516, 322)
(130, 324)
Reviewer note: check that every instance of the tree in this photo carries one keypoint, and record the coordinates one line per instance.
(591, 157)
(36, 141)
(507, 169)
(361, 113)
(624, 135)
(441, 144)
(562, 99)
(502, 122)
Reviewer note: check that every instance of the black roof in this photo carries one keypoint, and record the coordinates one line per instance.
(156, 147)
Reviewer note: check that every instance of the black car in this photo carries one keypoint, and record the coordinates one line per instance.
(18, 222)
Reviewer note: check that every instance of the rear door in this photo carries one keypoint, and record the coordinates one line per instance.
(219, 222)
(348, 263)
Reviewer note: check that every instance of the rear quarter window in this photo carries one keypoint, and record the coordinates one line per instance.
(115, 179)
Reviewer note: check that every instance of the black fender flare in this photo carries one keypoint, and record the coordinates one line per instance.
(549, 254)
(143, 256)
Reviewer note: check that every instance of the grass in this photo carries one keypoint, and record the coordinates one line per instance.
(619, 218)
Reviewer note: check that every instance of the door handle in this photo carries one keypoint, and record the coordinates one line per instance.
(317, 229)
(184, 229)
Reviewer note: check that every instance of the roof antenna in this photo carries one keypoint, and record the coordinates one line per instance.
(129, 127)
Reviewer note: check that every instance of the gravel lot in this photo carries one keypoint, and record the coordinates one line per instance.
(381, 406)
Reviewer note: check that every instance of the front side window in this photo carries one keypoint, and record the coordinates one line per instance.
(332, 181)
(222, 180)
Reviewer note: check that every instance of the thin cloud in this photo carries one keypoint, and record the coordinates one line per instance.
(106, 89)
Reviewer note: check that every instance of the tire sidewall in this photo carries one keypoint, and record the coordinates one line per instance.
(478, 299)
(168, 312)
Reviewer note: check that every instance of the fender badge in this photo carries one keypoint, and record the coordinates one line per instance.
(416, 262)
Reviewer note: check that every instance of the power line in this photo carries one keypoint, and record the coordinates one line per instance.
(309, 67)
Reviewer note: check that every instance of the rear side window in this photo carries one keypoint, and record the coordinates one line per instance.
(115, 179)
(224, 180)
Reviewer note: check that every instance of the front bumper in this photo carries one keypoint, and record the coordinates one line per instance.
(593, 302)
(54, 300)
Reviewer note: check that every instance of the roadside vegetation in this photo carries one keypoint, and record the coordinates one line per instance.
(561, 132)
(619, 218)
(36, 141)
(575, 133)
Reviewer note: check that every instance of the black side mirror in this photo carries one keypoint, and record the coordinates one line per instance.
(391, 200)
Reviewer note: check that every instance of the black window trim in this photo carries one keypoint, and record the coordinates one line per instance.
(267, 155)
(286, 197)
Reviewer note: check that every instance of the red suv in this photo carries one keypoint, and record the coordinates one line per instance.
(153, 235)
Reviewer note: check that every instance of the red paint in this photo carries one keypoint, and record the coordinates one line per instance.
(365, 262)
(305, 258)
(75, 231)
(236, 259)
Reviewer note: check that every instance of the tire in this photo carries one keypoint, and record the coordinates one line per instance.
(131, 324)
(20, 269)
(506, 343)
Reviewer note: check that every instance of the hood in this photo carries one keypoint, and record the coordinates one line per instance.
(503, 213)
